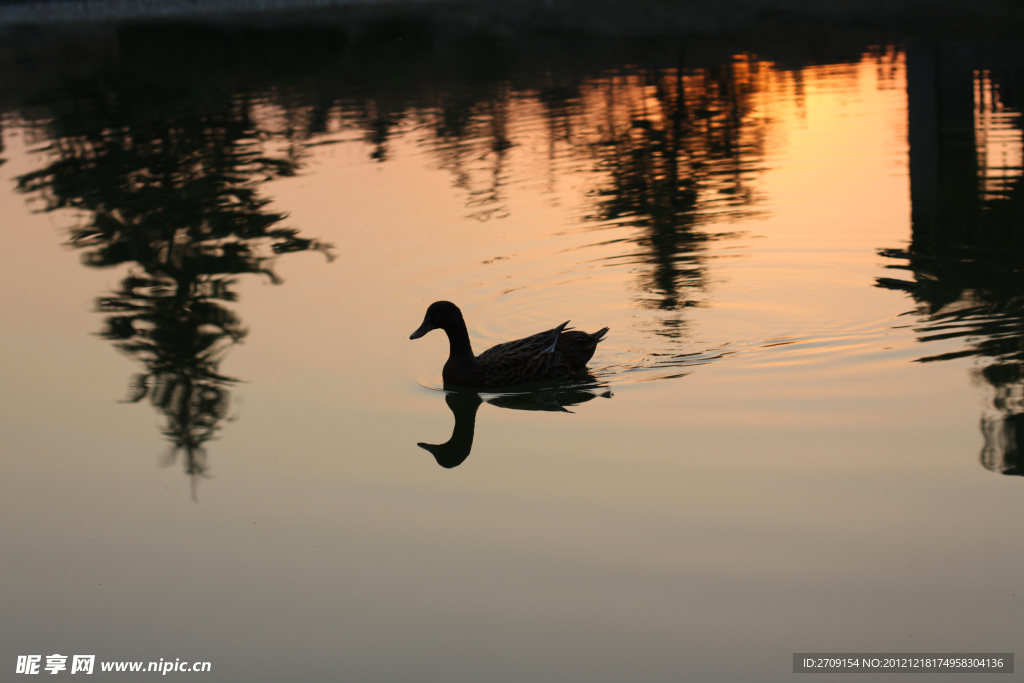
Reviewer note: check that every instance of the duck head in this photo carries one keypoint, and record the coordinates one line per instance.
(441, 315)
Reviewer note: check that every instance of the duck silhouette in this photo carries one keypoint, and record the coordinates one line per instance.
(557, 353)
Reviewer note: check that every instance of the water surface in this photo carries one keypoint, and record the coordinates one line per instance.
(800, 435)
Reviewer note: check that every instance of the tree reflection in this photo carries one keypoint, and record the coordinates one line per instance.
(167, 184)
(676, 150)
(679, 149)
(967, 242)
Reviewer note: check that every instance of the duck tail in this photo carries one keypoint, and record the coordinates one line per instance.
(554, 337)
(599, 335)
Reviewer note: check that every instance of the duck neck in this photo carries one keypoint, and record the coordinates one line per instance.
(458, 341)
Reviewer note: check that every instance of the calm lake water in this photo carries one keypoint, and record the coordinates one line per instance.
(802, 434)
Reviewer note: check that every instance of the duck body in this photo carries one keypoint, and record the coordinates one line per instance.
(553, 354)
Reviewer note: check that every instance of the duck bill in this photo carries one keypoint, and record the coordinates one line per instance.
(423, 329)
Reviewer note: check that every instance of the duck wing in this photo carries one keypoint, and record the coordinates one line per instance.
(542, 342)
(524, 360)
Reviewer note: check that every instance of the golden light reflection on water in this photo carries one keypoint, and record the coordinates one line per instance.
(670, 173)
(614, 214)
(638, 199)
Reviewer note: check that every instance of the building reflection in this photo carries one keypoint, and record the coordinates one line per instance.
(464, 405)
(964, 259)
(166, 177)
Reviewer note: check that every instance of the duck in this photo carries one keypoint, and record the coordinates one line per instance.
(557, 353)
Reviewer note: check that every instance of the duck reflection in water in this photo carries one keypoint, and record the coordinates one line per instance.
(464, 404)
